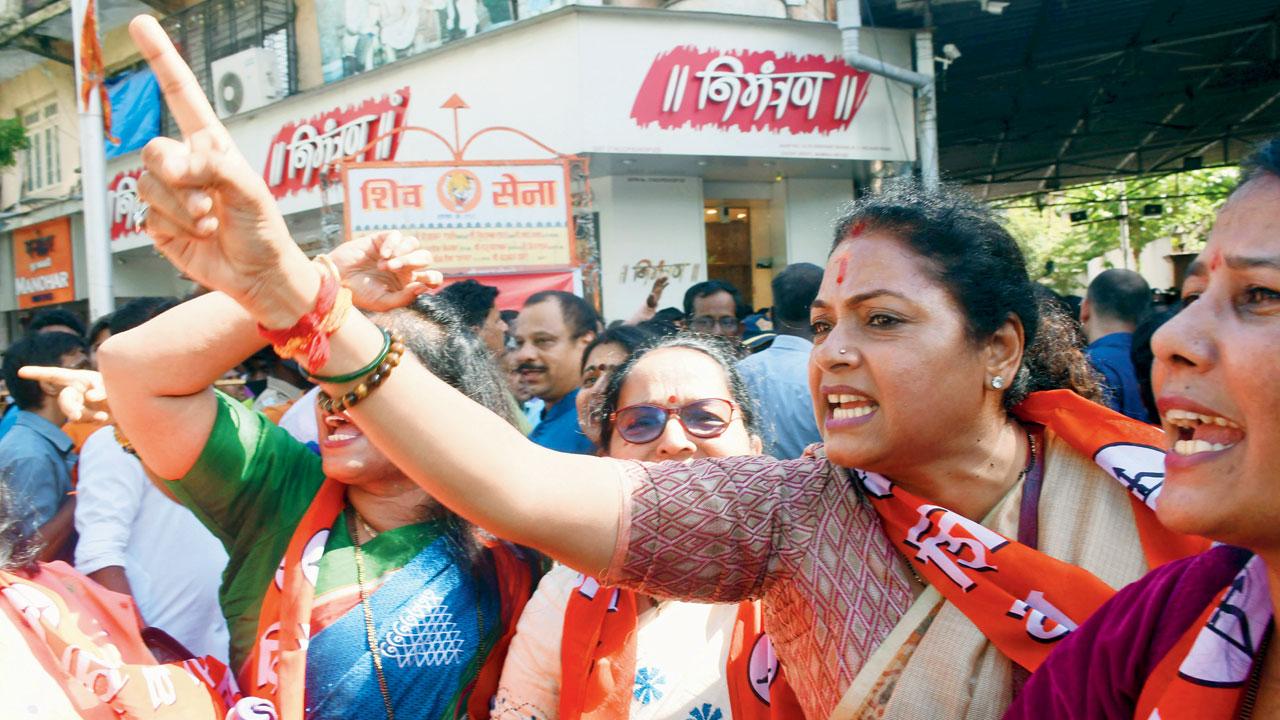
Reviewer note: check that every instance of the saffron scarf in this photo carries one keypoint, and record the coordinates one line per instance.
(276, 667)
(598, 659)
(97, 654)
(1205, 675)
(1021, 599)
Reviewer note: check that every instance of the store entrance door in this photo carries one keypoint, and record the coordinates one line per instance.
(729, 245)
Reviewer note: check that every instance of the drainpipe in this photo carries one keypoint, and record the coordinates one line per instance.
(849, 20)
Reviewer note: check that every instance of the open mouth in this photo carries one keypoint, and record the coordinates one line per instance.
(339, 430)
(1196, 433)
(848, 406)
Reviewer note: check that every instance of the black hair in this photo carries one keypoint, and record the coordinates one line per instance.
(578, 314)
(976, 259)
(714, 347)
(102, 324)
(794, 290)
(19, 545)
(56, 316)
(137, 311)
(1265, 160)
(1119, 294)
(472, 300)
(509, 316)
(434, 332)
(1143, 358)
(35, 349)
(630, 337)
(710, 287)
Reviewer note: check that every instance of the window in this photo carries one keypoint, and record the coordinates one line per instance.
(216, 28)
(42, 162)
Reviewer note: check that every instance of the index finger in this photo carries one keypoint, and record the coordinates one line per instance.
(182, 93)
(57, 375)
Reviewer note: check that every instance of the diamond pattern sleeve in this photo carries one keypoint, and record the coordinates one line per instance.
(716, 529)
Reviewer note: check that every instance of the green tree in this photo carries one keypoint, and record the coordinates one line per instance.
(1058, 249)
(13, 137)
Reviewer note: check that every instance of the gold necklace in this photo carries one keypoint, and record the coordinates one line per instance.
(352, 518)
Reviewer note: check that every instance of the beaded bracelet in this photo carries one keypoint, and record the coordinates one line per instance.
(379, 375)
(357, 374)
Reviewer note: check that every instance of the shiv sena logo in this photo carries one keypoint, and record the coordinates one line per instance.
(762, 668)
(1224, 650)
(458, 191)
(1140, 468)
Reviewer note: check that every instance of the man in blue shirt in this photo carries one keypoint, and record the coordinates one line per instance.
(47, 320)
(1117, 300)
(778, 376)
(36, 457)
(550, 334)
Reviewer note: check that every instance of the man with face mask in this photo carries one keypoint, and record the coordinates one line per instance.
(552, 331)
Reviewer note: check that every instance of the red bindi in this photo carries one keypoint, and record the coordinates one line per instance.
(1215, 260)
(844, 265)
(671, 400)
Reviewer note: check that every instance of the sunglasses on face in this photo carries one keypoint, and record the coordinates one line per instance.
(706, 418)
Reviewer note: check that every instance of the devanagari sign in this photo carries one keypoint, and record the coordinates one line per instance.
(473, 218)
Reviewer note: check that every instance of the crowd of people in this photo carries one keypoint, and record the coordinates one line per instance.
(919, 485)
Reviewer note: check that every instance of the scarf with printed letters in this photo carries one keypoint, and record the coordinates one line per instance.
(96, 652)
(1023, 600)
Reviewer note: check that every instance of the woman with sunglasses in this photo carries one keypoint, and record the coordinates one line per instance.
(1194, 639)
(582, 649)
(961, 518)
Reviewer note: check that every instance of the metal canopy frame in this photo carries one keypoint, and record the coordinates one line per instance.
(1051, 93)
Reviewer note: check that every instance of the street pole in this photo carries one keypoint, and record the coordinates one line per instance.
(1124, 230)
(927, 109)
(93, 181)
(849, 21)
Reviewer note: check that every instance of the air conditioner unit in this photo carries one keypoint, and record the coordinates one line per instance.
(244, 81)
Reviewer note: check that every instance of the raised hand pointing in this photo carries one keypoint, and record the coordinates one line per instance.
(210, 213)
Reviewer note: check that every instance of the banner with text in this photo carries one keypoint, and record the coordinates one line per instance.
(473, 218)
(42, 268)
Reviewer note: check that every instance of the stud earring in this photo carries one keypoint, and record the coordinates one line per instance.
(997, 382)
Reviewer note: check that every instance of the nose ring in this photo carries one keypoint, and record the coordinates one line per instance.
(843, 351)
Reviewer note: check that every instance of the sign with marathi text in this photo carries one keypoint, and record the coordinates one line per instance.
(42, 269)
(125, 208)
(749, 91)
(301, 149)
(472, 217)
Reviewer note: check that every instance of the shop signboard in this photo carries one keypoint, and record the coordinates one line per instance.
(750, 91)
(474, 217)
(301, 149)
(126, 211)
(42, 269)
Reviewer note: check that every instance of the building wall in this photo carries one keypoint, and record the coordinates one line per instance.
(48, 81)
(658, 219)
(811, 207)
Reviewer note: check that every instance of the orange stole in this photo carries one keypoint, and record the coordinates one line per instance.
(598, 660)
(89, 639)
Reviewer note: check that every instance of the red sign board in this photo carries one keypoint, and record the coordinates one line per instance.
(123, 204)
(749, 91)
(42, 269)
(300, 149)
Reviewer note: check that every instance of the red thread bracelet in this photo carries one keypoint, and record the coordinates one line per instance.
(307, 335)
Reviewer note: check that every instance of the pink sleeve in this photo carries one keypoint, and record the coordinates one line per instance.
(716, 529)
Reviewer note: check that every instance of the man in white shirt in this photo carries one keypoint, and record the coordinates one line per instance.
(135, 540)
